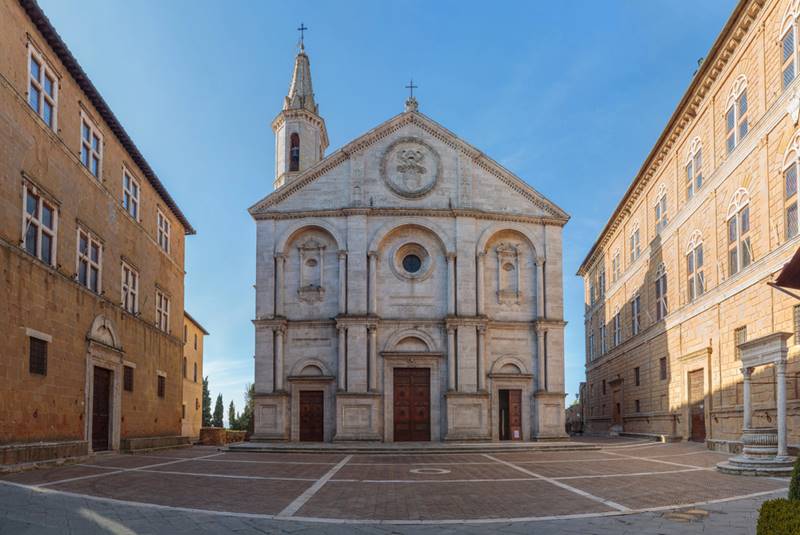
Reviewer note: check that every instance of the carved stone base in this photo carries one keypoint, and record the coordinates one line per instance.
(271, 412)
(359, 416)
(468, 416)
(759, 456)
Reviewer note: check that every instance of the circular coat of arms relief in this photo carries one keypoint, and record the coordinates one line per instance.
(410, 167)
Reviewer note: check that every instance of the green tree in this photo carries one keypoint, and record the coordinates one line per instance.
(216, 421)
(244, 422)
(233, 421)
(206, 403)
(794, 485)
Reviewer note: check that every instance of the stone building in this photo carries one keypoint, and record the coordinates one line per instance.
(408, 287)
(676, 283)
(91, 262)
(192, 410)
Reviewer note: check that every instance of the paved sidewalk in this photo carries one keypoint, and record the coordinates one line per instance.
(27, 511)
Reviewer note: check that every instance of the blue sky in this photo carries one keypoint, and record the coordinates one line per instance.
(570, 96)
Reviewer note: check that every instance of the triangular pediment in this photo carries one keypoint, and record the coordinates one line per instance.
(470, 178)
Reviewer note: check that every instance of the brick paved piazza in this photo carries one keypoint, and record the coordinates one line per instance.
(621, 484)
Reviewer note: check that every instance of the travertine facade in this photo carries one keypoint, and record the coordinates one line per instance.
(82, 260)
(678, 277)
(408, 288)
(192, 410)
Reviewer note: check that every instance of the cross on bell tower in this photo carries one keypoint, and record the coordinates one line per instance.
(411, 102)
(302, 30)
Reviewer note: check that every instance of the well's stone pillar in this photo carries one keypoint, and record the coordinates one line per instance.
(747, 410)
(780, 373)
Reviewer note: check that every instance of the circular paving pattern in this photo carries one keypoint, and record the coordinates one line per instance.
(621, 477)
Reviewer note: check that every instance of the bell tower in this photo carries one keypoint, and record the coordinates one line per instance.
(300, 134)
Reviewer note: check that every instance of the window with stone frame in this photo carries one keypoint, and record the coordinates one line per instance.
(590, 344)
(617, 323)
(616, 269)
(185, 367)
(660, 209)
(130, 289)
(130, 194)
(637, 379)
(40, 226)
(42, 88)
(604, 387)
(694, 169)
(162, 311)
(508, 274)
(127, 378)
(736, 123)
(636, 314)
(601, 282)
(195, 373)
(91, 146)
(163, 226)
(661, 292)
(662, 368)
(37, 357)
(634, 245)
(790, 181)
(161, 386)
(695, 283)
(789, 51)
(638, 406)
(602, 339)
(740, 254)
(89, 269)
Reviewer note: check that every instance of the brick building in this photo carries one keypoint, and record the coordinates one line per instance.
(192, 410)
(91, 261)
(677, 279)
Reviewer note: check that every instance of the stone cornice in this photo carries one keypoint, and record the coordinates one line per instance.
(723, 49)
(413, 212)
(433, 129)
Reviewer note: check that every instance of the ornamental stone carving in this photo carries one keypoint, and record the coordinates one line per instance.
(410, 167)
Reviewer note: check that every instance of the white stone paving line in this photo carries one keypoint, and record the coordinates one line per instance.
(117, 471)
(301, 500)
(260, 516)
(564, 486)
(651, 459)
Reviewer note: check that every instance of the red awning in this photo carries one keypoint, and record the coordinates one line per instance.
(789, 277)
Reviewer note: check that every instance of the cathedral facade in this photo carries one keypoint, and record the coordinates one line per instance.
(409, 288)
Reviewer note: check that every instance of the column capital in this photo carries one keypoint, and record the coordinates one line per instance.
(747, 372)
(481, 329)
(451, 329)
(373, 254)
(280, 329)
(372, 328)
(451, 256)
(341, 329)
(780, 366)
(280, 256)
(342, 254)
(481, 254)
